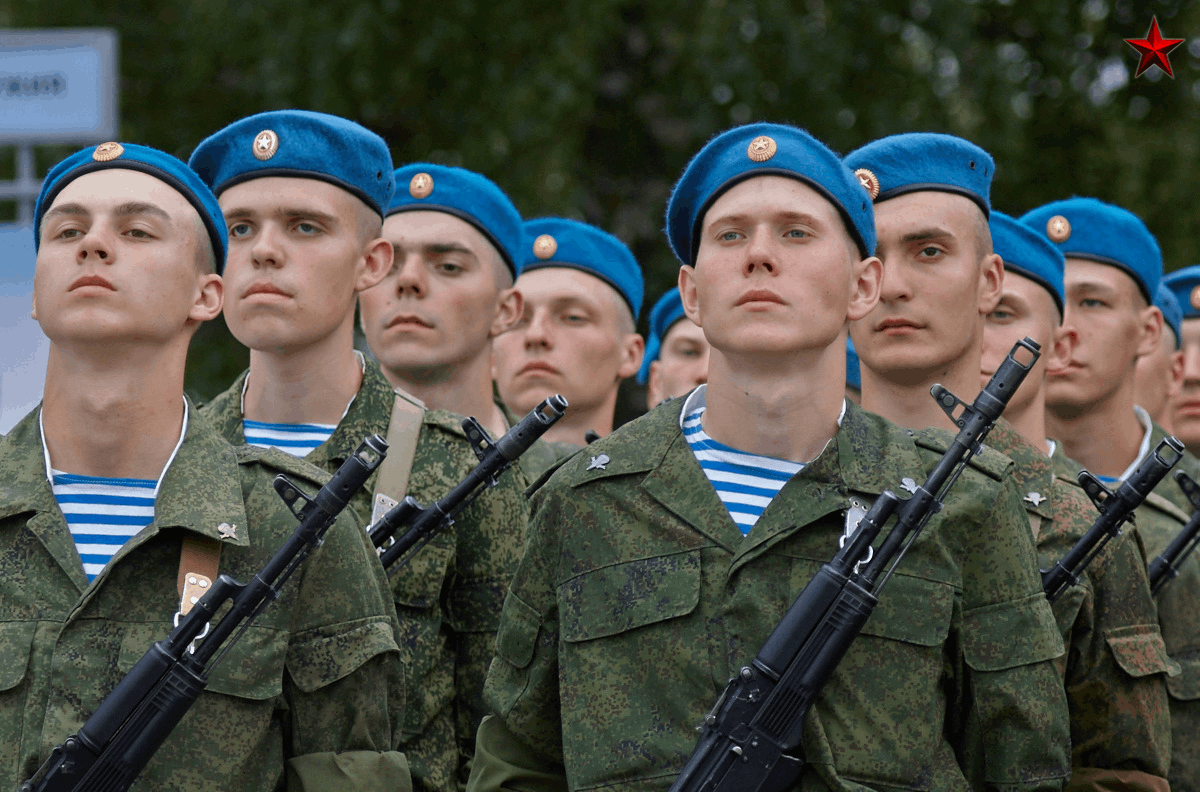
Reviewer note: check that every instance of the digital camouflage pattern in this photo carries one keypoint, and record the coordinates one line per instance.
(449, 596)
(1169, 487)
(543, 454)
(315, 674)
(638, 598)
(1116, 663)
(1158, 521)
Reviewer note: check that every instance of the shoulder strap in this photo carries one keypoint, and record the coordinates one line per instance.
(403, 429)
(199, 558)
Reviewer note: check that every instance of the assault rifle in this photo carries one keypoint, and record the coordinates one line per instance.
(750, 741)
(1165, 568)
(1116, 507)
(115, 744)
(423, 522)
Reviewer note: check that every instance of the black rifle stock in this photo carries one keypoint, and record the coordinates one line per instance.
(1165, 567)
(750, 740)
(1116, 507)
(112, 748)
(422, 523)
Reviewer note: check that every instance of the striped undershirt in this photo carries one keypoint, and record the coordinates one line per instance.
(298, 439)
(745, 483)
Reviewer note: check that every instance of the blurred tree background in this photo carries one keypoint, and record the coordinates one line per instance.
(591, 108)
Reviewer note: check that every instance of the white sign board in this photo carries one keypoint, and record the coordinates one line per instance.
(58, 85)
(25, 348)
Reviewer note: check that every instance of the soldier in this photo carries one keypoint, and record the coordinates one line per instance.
(676, 359)
(1126, 740)
(576, 336)
(1113, 265)
(649, 580)
(113, 489)
(1159, 376)
(304, 196)
(1185, 408)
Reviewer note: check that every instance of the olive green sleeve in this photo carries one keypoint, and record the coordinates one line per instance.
(503, 763)
(351, 771)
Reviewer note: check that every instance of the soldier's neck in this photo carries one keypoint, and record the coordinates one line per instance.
(1103, 437)
(308, 384)
(464, 388)
(904, 399)
(1029, 418)
(580, 419)
(109, 412)
(786, 409)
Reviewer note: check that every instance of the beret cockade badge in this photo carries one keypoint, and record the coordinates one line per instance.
(265, 144)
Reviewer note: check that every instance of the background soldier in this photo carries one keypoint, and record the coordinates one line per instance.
(1159, 375)
(676, 358)
(113, 475)
(652, 575)
(1185, 408)
(576, 336)
(305, 215)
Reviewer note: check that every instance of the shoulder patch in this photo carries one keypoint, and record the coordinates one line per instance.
(988, 460)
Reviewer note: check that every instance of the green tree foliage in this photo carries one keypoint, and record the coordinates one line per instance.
(591, 108)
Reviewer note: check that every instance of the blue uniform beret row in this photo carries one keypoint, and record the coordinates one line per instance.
(468, 196)
(131, 156)
(1028, 253)
(299, 144)
(558, 242)
(665, 313)
(1185, 285)
(1171, 311)
(925, 161)
(1087, 228)
(764, 150)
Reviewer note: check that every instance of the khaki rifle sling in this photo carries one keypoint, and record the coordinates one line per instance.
(403, 429)
(199, 557)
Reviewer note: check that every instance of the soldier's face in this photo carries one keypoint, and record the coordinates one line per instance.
(1025, 310)
(571, 338)
(119, 262)
(1159, 378)
(441, 302)
(938, 285)
(1112, 325)
(297, 258)
(776, 272)
(1185, 408)
(682, 363)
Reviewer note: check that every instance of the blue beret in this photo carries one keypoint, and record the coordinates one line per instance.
(151, 161)
(466, 195)
(300, 144)
(853, 371)
(558, 242)
(1028, 253)
(764, 150)
(1183, 284)
(1171, 311)
(925, 161)
(1086, 228)
(665, 313)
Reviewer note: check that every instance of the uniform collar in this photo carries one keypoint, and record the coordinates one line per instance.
(368, 413)
(1147, 425)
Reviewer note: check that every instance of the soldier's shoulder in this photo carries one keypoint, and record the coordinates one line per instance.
(988, 461)
(225, 401)
(272, 461)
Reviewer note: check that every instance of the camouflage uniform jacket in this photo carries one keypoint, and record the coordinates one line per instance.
(449, 595)
(543, 455)
(1158, 521)
(1168, 487)
(1116, 664)
(638, 598)
(315, 673)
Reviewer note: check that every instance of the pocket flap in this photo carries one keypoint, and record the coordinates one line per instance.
(632, 594)
(419, 584)
(1010, 634)
(253, 668)
(1185, 686)
(323, 656)
(1140, 651)
(16, 639)
(517, 636)
(912, 610)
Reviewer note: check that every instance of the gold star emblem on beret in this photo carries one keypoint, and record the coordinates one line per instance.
(762, 148)
(1194, 298)
(545, 246)
(869, 181)
(107, 152)
(1058, 228)
(266, 143)
(420, 186)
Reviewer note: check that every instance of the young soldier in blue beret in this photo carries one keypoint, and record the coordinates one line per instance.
(1185, 407)
(1159, 376)
(577, 333)
(1108, 620)
(1113, 266)
(676, 358)
(113, 494)
(662, 556)
(304, 196)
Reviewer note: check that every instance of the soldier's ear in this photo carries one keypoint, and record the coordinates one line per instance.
(865, 287)
(375, 264)
(991, 283)
(508, 310)
(687, 294)
(1150, 321)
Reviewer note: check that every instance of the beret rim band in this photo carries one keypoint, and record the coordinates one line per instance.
(214, 235)
(298, 173)
(586, 271)
(1137, 278)
(464, 216)
(1040, 281)
(732, 182)
(895, 192)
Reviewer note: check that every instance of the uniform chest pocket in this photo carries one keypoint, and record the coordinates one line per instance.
(418, 584)
(912, 610)
(628, 595)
